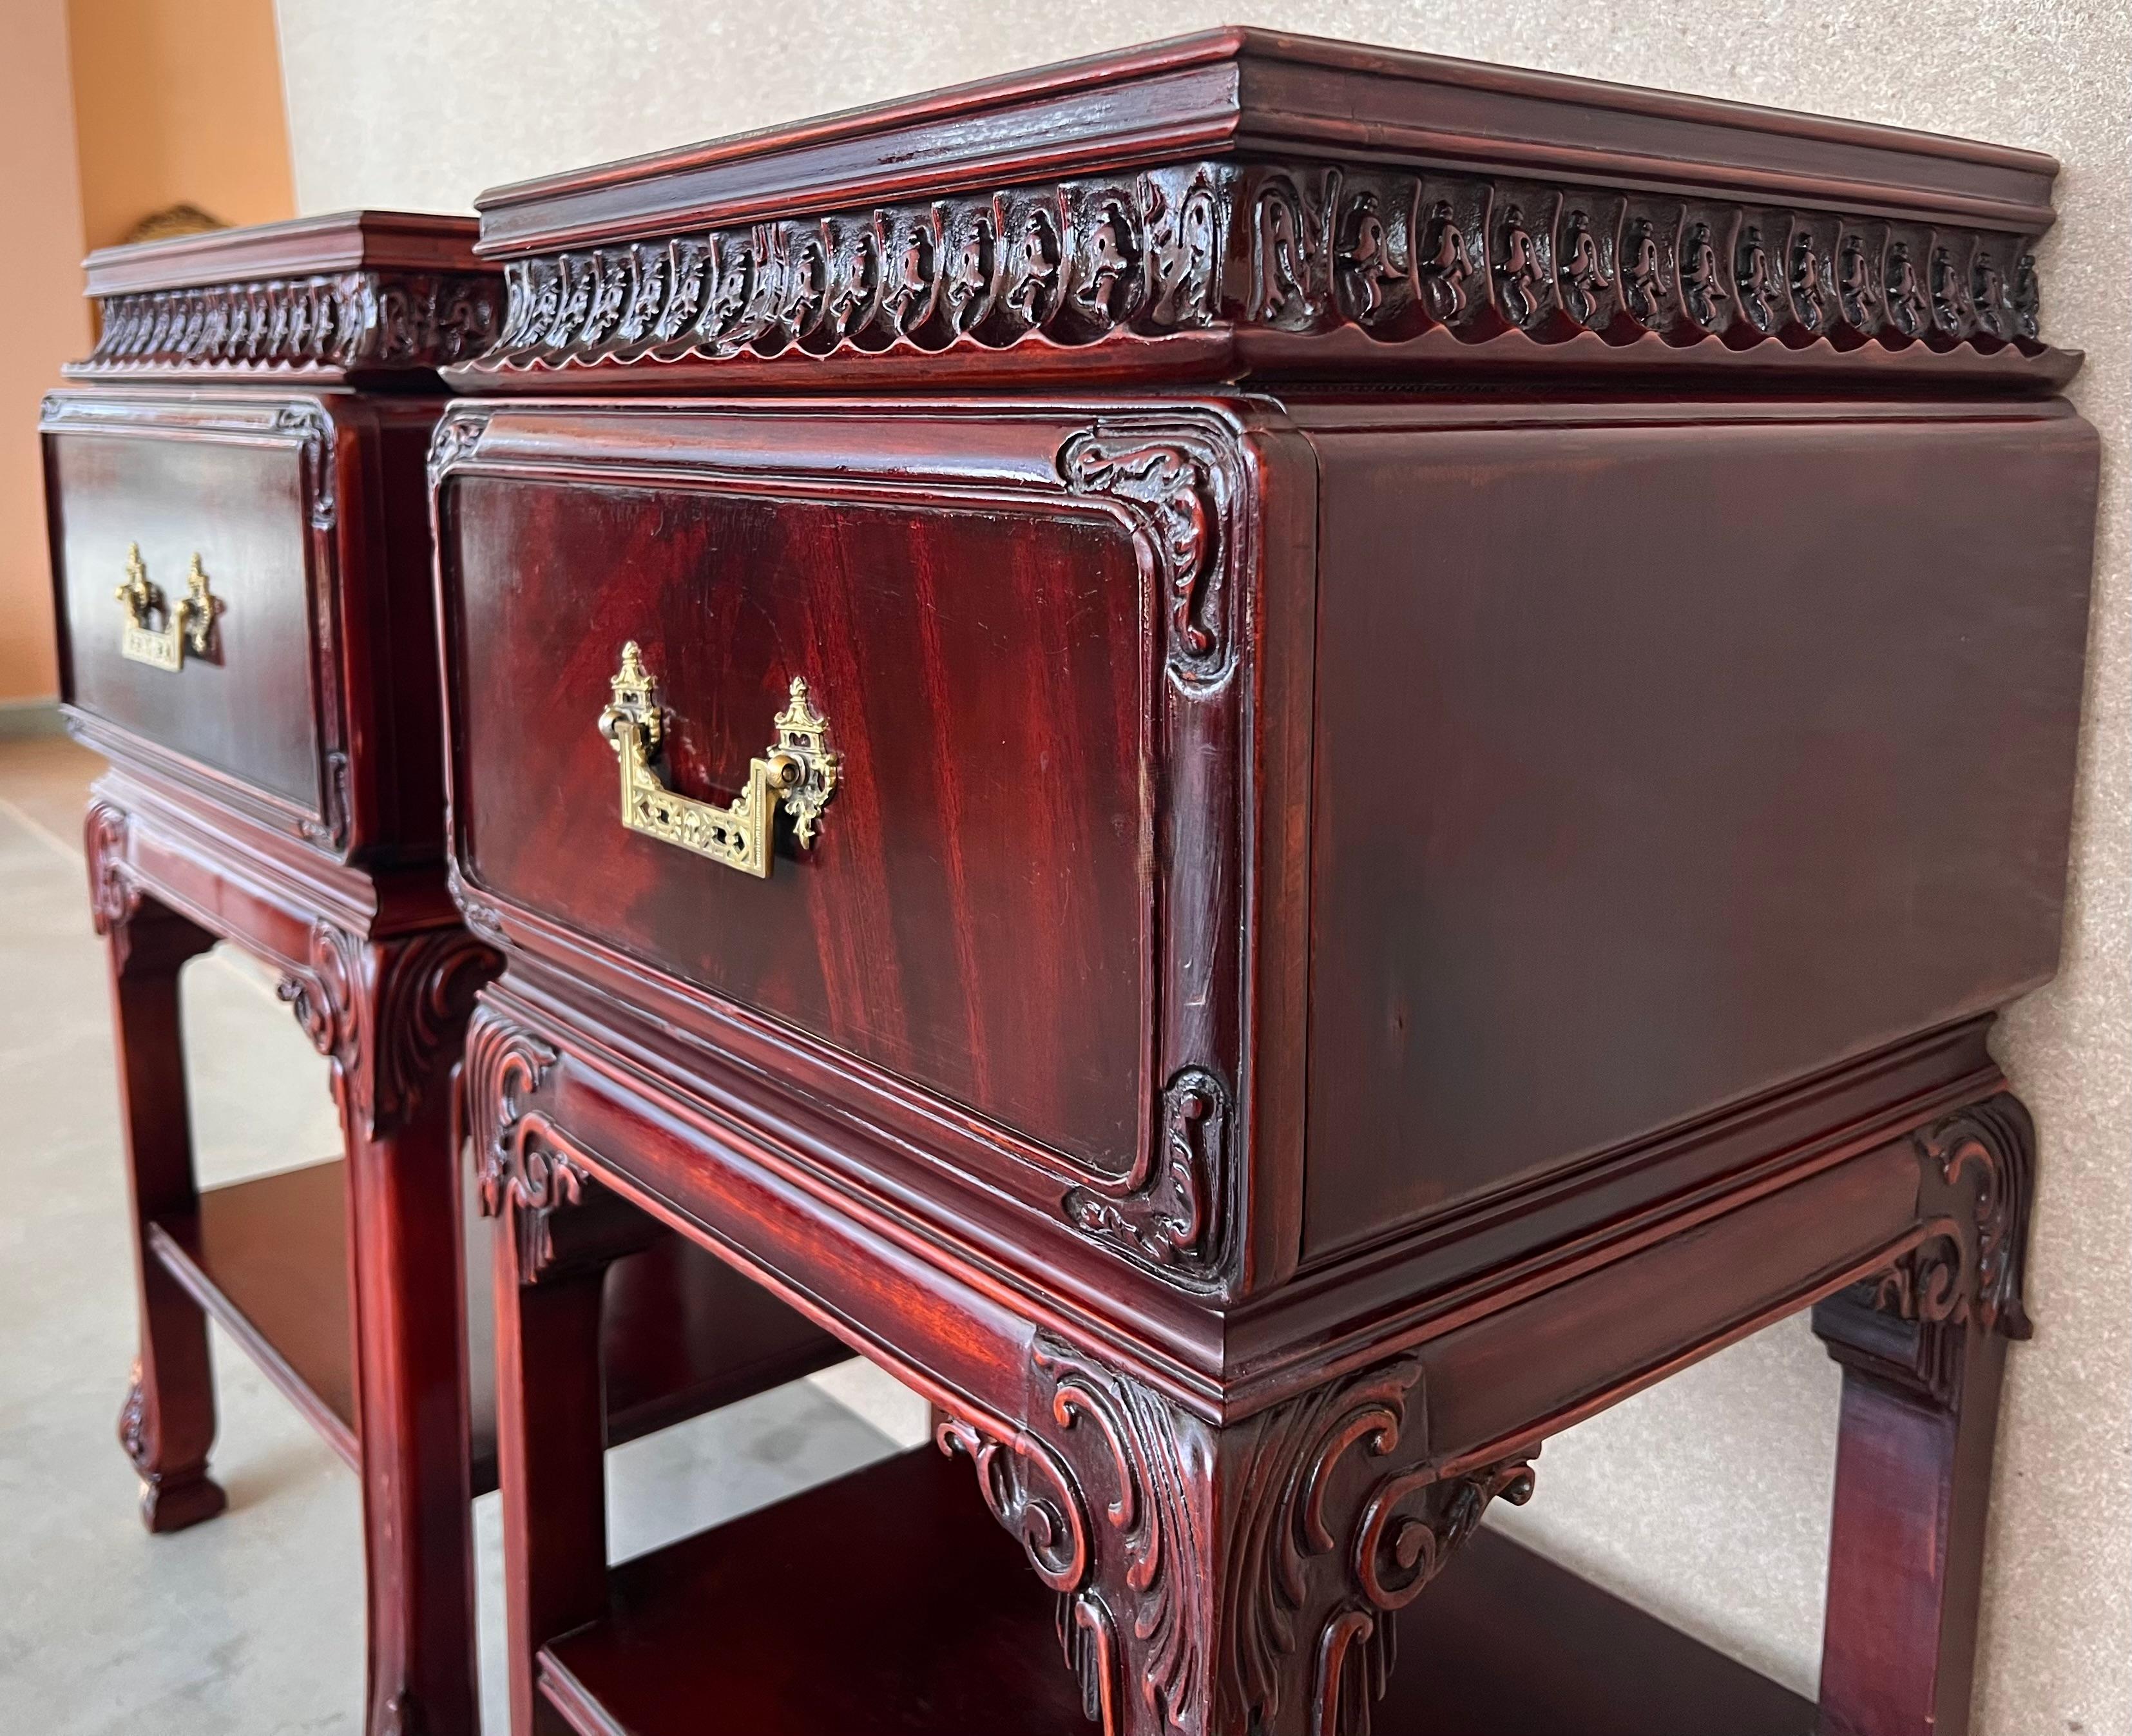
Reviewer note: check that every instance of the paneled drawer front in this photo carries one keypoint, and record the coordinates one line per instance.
(229, 496)
(971, 914)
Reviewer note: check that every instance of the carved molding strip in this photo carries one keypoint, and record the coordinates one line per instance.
(356, 319)
(385, 1013)
(1289, 247)
(1175, 1219)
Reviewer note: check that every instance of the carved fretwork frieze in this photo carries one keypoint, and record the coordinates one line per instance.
(1237, 1581)
(1173, 1218)
(1293, 246)
(1395, 253)
(1072, 260)
(525, 1167)
(386, 1014)
(345, 322)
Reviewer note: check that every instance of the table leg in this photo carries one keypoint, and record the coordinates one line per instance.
(392, 1016)
(549, 1448)
(1923, 1352)
(167, 1423)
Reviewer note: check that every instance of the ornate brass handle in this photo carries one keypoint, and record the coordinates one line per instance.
(799, 774)
(188, 622)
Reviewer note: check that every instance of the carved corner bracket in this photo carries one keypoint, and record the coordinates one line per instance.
(143, 935)
(314, 429)
(526, 1170)
(1201, 1571)
(387, 1013)
(1173, 488)
(1976, 1185)
(1173, 1215)
(455, 440)
(114, 894)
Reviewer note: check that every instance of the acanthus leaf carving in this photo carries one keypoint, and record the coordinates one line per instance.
(1149, 1459)
(1243, 1578)
(1356, 1520)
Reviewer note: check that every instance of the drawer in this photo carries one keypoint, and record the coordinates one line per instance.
(973, 913)
(154, 493)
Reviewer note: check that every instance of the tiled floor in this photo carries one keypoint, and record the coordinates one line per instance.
(250, 1625)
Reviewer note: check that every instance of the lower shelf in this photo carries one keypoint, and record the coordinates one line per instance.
(889, 1603)
(682, 1333)
(268, 1258)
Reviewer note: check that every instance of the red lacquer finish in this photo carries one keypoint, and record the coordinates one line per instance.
(1356, 927)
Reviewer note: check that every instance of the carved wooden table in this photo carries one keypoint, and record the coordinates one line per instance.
(243, 462)
(1415, 820)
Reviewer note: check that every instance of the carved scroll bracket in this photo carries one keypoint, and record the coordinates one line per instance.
(386, 1014)
(1909, 1325)
(1976, 1181)
(526, 1168)
(1242, 1579)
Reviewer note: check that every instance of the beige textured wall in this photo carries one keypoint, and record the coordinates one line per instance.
(1708, 1498)
(43, 318)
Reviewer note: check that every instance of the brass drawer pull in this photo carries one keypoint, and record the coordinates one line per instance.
(799, 773)
(189, 623)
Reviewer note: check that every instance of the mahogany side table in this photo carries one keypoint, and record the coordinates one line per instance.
(240, 538)
(1278, 763)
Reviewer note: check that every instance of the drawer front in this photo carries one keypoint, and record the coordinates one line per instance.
(135, 490)
(972, 915)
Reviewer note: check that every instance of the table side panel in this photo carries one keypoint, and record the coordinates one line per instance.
(1660, 765)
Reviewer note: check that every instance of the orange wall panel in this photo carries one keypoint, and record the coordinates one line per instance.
(47, 321)
(178, 102)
